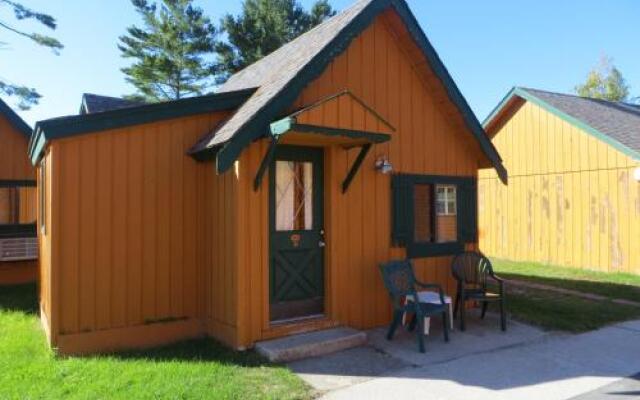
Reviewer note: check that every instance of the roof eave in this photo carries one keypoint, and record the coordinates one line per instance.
(526, 95)
(88, 123)
(15, 120)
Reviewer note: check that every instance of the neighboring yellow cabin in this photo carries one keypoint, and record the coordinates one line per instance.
(572, 199)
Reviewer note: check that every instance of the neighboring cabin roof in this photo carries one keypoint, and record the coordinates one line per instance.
(282, 75)
(94, 103)
(86, 123)
(616, 123)
(14, 119)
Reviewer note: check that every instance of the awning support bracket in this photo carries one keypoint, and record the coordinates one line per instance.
(355, 167)
(266, 161)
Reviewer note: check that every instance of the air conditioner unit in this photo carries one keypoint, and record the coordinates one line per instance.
(18, 249)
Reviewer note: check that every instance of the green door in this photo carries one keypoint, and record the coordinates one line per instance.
(296, 233)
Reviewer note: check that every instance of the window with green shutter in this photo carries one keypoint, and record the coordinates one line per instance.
(433, 215)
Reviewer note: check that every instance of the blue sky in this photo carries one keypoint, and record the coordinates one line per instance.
(488, 46)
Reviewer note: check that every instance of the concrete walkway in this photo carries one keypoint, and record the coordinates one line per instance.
(481, 363)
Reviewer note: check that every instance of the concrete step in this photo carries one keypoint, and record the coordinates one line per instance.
(313, 344)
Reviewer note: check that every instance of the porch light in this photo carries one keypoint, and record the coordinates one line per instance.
(636, 174)
(384, 166)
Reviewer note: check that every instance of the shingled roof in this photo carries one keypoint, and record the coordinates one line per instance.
(95, 103)
(282, 75)
(616, 123)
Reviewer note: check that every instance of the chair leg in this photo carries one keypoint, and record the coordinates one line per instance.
(456, 304)
(397, 319)
(503, 316)
(412, 323)
(484, 309)
(445, 325)
(462, 316)
(420, 333)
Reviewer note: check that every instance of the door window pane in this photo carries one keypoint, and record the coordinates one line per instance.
(294, 195)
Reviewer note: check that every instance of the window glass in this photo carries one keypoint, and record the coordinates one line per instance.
(435, 221)
(446, 200)
(17, 205)
(294, 195)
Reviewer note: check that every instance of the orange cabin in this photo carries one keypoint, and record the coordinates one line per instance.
(18, 239)
(262, 210)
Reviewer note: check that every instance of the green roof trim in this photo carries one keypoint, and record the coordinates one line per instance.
(258, 125)
(289, 124)
(526, 95)
(15, 120)
(87, 123)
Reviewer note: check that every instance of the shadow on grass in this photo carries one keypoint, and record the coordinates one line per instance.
(21, 298)
(196, 350)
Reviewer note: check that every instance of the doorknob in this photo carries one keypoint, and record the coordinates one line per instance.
(321, 243)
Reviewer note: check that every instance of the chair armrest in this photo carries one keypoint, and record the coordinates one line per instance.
(496, 277)
(499, 280)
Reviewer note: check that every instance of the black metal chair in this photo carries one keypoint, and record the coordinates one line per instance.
(401, 282)
(472, 270)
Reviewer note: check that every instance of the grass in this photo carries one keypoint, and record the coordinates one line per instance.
(556, 311)
(611, 285)
(196, 369)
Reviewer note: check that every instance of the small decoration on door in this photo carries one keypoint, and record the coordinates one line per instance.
(295, 240)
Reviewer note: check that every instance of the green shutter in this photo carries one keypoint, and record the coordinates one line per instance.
(468, 211)
(400, 210)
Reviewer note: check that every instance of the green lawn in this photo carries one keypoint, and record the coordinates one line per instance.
(552, 310)
(612, 285)
(197, 369)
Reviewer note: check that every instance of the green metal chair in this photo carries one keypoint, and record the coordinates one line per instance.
(472, 270)
(401, 282)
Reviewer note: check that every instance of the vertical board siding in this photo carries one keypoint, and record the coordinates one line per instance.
(380, 71)
(15, 165)
(14, 162)
(135, 241)
(571, 198)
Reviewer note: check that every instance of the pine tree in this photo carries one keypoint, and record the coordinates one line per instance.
(27, 96)
(173, 51)
(262, 27)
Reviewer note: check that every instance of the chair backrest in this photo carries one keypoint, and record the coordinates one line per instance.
(399, 278)
(471, 268)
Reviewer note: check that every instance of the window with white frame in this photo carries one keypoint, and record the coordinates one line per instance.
(446, 200)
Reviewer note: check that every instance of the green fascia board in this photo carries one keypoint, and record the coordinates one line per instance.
(87, 123)
(261, 120)
(18, 231)
(280, 127)
(13, 183)
(15, 120)
(525, 95)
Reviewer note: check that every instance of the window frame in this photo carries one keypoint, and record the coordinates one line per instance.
(447, 200)
(403, 197)
(42, 196)
(13, 231)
